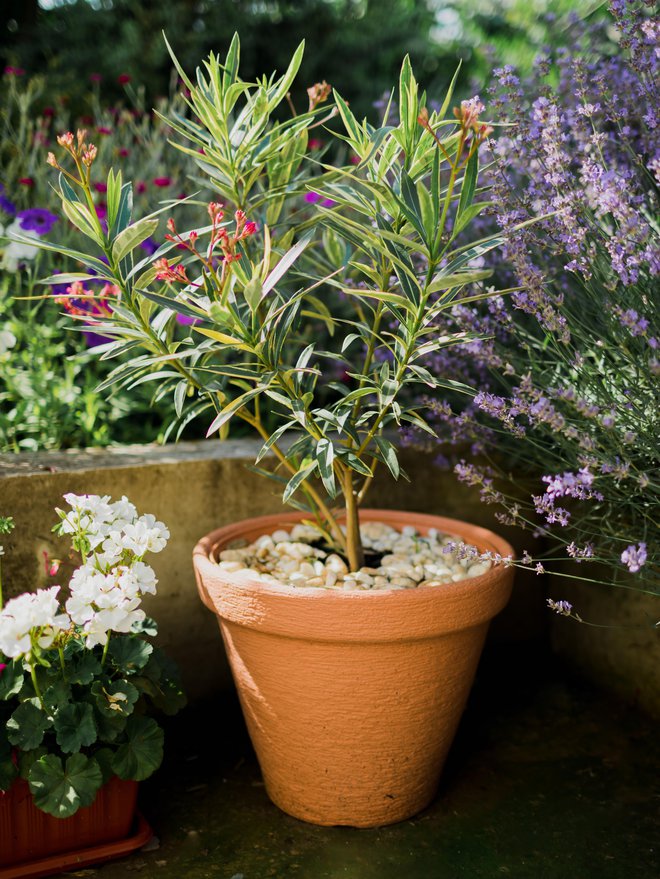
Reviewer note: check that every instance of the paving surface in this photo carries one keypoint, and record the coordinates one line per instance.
(547, 780)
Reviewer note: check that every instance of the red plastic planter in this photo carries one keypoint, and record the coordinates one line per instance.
(33, 843)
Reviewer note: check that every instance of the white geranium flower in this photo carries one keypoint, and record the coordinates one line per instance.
(97, 508)
(146, 535)
(33, 613)
(113, 546)
(145, 577)
(123, 513)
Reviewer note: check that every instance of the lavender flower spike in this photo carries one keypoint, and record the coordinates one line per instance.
(634, 557)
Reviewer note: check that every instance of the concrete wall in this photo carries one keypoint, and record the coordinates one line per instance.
(194, 488)
(620, 651)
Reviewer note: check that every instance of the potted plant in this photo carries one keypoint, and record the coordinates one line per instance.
(385, 611)
(78, 682)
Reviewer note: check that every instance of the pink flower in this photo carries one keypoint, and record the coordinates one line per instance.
(123, 152)
(161, 181)
(140, 186)
(123, 78)
(26, 181)
(102, 129)
(101, 187)
(95, 77)
(14, 71)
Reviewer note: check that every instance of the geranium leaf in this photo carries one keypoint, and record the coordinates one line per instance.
(116, 698)
(57, 694)
(129, 654)
(11, 679)
(61, 789)
(74, 727)
(27, 725)
(8, 768)
(83, 668)
(142, 754)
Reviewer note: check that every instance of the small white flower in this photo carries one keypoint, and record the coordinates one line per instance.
(7, 341)
(123, 513)
(146, 535)
(33, 613)
(17, 252)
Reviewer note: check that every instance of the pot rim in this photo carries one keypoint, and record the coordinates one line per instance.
(303, 612)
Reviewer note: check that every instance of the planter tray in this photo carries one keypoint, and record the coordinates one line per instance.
(83, 857)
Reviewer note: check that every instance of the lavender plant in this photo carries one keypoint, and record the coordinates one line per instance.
(378, 245)
(564, 431)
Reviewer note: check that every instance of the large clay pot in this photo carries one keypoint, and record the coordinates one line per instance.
(352, 698)
(33, 843)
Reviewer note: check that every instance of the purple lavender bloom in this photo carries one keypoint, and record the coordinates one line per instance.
(37, 220)
(634, 557)
(563, 608)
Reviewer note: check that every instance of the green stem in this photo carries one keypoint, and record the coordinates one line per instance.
(35, 684)
(354, 550)
(105, 651)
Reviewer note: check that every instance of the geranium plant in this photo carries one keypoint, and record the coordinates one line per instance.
(79, 677)
(366, 247)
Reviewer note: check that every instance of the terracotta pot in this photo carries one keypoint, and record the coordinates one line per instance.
(33, 843)
(352, 699)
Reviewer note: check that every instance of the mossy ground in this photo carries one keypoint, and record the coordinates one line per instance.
(547, 779)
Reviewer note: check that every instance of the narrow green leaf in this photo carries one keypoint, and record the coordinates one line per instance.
(297, 480)
(133, 235)
(232, 409)
(450, 92)
(325, 455)
(469, 183)
(389, 455)
(284, 85)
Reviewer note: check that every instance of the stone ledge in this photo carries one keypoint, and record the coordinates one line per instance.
(195, 487)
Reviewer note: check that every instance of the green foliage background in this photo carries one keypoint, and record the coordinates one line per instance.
(357, 45)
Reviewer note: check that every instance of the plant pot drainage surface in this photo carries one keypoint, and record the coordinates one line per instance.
(547, 779)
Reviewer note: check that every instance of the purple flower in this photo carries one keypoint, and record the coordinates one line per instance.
(561, 607)
(37, 220)
(315, 198)
(149, 245)
(634, 557)
(5, 204)
(186, 321)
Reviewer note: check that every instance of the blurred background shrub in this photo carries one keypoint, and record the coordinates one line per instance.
(353, 44)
